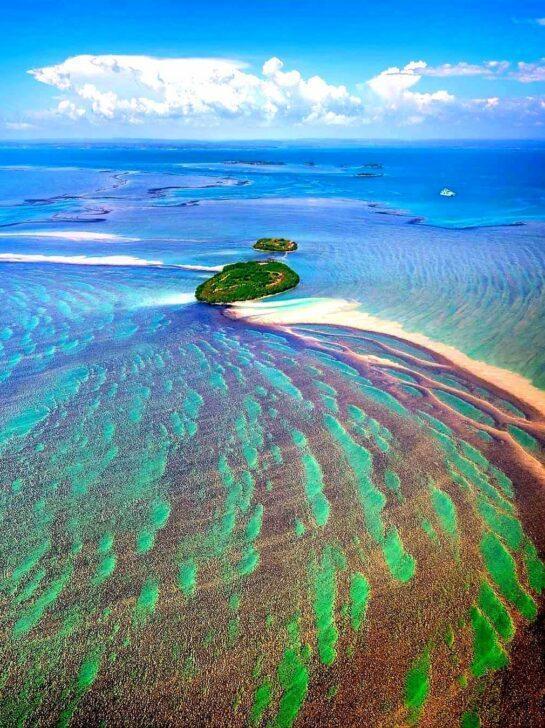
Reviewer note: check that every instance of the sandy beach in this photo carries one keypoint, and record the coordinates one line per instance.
(342, 312)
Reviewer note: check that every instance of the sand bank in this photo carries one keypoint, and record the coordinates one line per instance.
(342, 312)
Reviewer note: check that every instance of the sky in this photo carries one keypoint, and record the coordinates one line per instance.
(278, 69)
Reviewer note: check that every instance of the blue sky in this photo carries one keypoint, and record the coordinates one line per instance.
(266, 69)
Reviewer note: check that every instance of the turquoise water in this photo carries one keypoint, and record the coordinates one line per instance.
(203, 205)
(197, 513)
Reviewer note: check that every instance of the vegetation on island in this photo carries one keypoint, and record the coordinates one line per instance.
(246, 281)
(276, 245)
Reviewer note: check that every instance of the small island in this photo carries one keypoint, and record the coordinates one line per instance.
(246, 281)
(276, 245)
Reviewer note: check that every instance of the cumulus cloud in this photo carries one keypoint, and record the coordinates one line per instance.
(124, 89)
(135, 88)
(393, 88)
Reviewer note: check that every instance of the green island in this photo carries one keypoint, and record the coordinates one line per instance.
(246, 281)
(277, 245)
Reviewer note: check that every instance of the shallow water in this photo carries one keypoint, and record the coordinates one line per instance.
(207, 522)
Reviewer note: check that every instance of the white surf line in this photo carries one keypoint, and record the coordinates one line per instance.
(342, 312)
(113, 260)
(75, 235)
(189, 266)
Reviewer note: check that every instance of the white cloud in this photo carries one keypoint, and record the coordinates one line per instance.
(392, 88)
(529, 72)
(135, 88)
(540, 21)
(18, 125)
(488, 68)
(212, 91)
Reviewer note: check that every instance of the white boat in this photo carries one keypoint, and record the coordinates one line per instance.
(445, 192)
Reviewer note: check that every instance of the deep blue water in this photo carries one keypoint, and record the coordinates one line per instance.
(500, 182)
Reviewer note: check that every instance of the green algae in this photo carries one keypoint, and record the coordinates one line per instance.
(505, 483)
(299, 439)
(488, 652)
(147, 599)
(445, 510)
(105, 568)
(276, 455)
(359, 597)
(145, 540)
(314, 485)
(502, 569)
(464, 407)
(471, 473)
(293, 677)
(187, 577)
(88, 672)
(279, 380)
(384, 398)
(26, 566)
(527, 441)
(177, 423)
(33, 615)
(253, 527)
(401, 564)
(436, 424)
(325, 388)
(493, 608)
(411, 390)
(470, 719)
(417, 685)
(249, 561)
(325, 592)
(504, 525)
(429, 530)
(361, 463)
(299, 528)
(474, 455)
(261, 702)
(159, 514)
(393, 482)
(106, 543)
(535, 568)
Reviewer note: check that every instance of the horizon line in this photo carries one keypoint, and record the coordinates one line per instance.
(156, 140)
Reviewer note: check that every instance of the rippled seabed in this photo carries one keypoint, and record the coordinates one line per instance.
(205, 522)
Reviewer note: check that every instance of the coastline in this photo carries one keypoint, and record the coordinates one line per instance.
(346, 313)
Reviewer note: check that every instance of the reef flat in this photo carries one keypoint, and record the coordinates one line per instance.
(297, 511)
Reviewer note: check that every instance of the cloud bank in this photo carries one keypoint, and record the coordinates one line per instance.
(209, 92)
(133, 88)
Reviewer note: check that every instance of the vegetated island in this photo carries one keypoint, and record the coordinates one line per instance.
(246, 281)
(277, 245)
